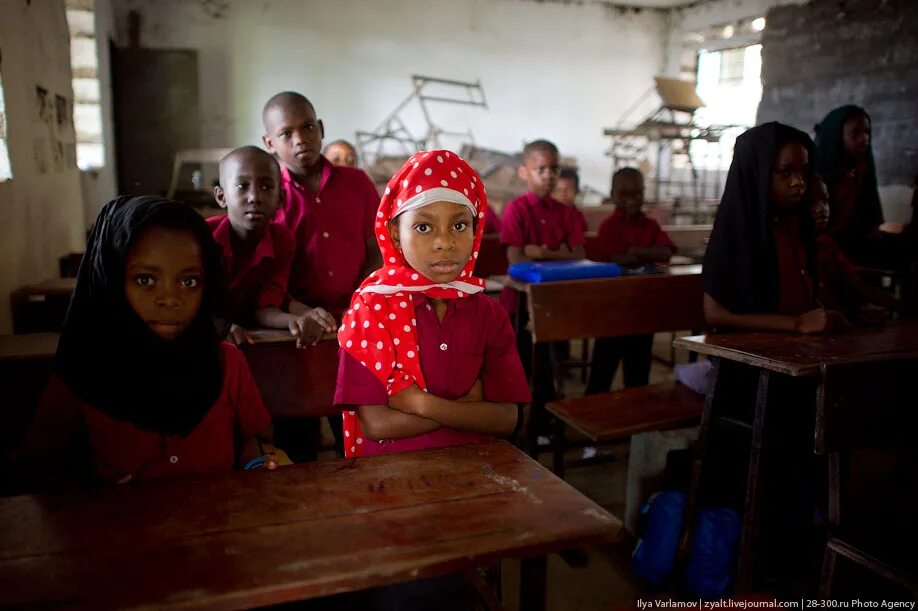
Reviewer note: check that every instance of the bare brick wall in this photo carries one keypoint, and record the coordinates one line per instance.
(821, 55)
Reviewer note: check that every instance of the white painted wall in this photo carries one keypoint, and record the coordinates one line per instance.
(41, 213)
(549, 70)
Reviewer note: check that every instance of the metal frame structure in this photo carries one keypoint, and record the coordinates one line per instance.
(395, 129)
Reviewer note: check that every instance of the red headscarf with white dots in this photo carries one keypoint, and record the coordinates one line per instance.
(379, 330)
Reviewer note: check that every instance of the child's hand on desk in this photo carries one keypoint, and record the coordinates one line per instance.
(475, 394)
(323, 318)
(821, 321)
(411, 400)
(534, 252)
(306, 330)
(239, 336)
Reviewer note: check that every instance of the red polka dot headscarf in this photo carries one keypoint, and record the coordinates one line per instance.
(380, 330)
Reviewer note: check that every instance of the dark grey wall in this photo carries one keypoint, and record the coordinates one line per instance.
(829, 52)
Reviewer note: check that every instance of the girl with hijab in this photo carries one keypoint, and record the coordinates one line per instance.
(760, 266)
(844, 158)
(427, 360)
(143, 385)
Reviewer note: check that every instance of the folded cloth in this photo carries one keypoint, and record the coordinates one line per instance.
(695, 375)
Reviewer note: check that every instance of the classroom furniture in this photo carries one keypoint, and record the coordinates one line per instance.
(26, 364)
(69, 264)
(858, 406)
(777, 367)
(294, 382)
(42, 306)
(257, 538)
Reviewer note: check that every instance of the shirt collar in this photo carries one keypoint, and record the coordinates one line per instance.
(534, 200)
(263, 250)
(327, 170)
(620, 214)
(461, 303)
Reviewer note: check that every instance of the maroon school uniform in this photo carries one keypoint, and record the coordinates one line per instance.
(795, 285)
(331, 227)
(838, 279)
(259, 280)
(473, 341)
(618, 233)
(492, 222)
(119, 449)
(545, 221)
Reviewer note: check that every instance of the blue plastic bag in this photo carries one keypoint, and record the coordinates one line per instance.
(548, 271)
(655, 552)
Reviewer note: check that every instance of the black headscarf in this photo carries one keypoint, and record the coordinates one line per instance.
(830, 164)
(740, 266)
(110, 358)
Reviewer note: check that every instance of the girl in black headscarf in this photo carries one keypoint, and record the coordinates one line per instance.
(759, 269)
(144, 386)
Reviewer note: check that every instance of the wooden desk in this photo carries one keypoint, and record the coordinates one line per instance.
(801, 355)
(41, 307)
(785, 369)
(26, 346)
(294, 383)
(260, 538)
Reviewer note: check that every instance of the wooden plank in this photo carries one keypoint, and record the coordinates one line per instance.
(258, 538)
(611, 307)
(623, 413)
(28, 346)
(802, 355)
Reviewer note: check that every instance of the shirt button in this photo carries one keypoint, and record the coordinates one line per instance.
(428, 307)
(173, 459)
(318, 200)
(331, 273)
(324, 234)
(543, 221)
(443, 346)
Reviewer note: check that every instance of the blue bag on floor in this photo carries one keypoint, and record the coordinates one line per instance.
(548, 271)
(655, 552)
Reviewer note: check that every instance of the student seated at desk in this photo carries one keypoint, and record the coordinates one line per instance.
(566, 190)
(630, 238)
(427, 360)
(760, 267)
(257, 252)
(144, 386)
(341, 152)
(840, 286)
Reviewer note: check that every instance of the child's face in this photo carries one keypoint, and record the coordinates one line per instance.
(164, 280)
(341, 154)
(565, 191)
(293, 133)
(250, 191)
(819, 207)
(628, 193)
(856, 135)
(436, 240)
(788, 177)
(540, 171)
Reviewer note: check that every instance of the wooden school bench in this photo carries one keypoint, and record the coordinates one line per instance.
(294, 383)
(613, 307)
(780, 378)
(42, 306)
(259, 538)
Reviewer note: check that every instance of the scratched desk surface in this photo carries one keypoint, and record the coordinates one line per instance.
(257, 538)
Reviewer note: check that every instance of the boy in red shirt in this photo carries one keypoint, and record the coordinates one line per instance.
(566, 190)
(257, 252)
(629, 238)
(536, 227)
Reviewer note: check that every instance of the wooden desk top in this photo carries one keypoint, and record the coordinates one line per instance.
(258, 538)
(28, 346)
(801, 355)
(52, 286)
(279, 336)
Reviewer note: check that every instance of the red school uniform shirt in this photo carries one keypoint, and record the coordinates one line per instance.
(545, 221)
(618, 233)
(119, 449)
(795, 285)
(259, 280)
(838, 278)
(331, 227)
(473, 341)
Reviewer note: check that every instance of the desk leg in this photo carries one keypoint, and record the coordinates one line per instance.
(752, 509)
(533, 573)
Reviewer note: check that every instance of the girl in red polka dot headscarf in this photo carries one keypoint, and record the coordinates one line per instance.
(427, 359)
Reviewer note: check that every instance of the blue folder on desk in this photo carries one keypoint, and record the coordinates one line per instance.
(549, 271)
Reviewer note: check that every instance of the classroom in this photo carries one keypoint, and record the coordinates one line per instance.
(562, 305)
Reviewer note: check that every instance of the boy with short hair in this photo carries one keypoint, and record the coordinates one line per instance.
(341, 152)
(537, 227)
(630, 238)
(330, 209)
(567, 189)
(257, 252)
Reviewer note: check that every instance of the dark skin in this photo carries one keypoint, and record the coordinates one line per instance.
(628, 196)
(856, 134)
(788, 186)
(540, 171)
(294, 135)
(436, 240)
(338, 153)
(565, 191)
(164, 284)
(250, 191)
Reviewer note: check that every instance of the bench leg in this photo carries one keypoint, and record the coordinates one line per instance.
(533, 581)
